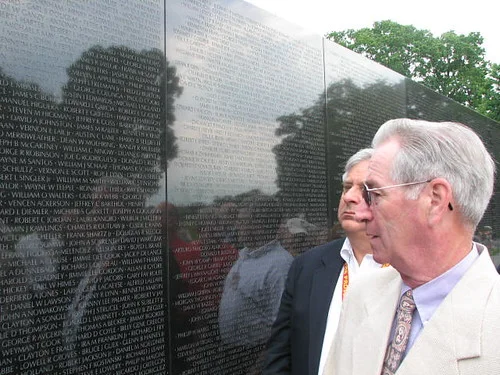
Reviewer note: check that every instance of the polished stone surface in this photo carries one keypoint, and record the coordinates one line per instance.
(81, 122)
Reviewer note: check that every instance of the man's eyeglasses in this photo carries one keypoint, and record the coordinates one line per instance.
(367, 196)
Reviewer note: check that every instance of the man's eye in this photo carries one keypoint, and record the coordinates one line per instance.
(345, 188)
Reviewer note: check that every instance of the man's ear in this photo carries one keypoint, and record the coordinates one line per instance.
(441, 199)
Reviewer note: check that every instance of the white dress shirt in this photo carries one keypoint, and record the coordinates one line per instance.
(354, 269)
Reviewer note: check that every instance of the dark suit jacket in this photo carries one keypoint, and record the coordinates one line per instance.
(297, 334)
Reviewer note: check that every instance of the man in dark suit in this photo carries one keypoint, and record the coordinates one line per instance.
(316, 283)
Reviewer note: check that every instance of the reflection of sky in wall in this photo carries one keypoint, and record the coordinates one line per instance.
(40, 39)
(241, 68)
(267, 68)
(341, 63)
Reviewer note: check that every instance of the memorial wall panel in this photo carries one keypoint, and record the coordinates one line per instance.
(484, 127)
(81, 280)
(428, 105)
(247, 188)
(360, 96)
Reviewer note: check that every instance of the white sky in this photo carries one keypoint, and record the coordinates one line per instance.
(437, 16)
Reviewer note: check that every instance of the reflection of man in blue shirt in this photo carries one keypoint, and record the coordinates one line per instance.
(255, 283)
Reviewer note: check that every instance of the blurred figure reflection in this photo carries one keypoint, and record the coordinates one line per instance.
(253, 287)
(485, 236)
(185, 252)
(297, 235)
(177, 287)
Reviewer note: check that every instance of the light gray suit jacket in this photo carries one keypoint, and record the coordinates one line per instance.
(461, 338)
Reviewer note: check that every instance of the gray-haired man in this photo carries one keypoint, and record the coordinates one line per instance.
(427, 188)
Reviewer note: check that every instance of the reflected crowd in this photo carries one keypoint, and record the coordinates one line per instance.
(233, 259)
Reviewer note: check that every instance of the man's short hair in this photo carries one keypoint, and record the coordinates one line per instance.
(358, 157)
(442, 149)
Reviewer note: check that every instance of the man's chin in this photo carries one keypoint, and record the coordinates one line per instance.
(379, 256)
(352, 226)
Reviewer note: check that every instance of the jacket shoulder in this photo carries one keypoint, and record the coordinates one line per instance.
(328, 252)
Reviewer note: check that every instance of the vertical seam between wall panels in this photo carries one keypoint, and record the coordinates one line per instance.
(325, 125)
(167, 302)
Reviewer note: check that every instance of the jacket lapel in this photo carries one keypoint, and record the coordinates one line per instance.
(454, 332)
(370, 343)
(322, 288)
(434, 351)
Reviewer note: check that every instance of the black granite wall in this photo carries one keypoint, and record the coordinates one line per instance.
(143, 145)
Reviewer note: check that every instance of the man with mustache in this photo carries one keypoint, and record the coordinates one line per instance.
(316, 284)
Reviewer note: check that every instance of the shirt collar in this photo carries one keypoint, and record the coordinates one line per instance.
(347, 254)
(429, 296)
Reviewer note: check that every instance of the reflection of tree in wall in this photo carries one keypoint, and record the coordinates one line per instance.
(354, 113)
(301, 165)
(115, 118)
(351, 123)
(428, 105)
(116, 99)
(168, 95)
(111, 123)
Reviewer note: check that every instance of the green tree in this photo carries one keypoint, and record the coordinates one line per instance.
(491, 103)
(453, 65)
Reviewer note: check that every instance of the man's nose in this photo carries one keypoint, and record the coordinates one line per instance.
(353, 195)
(364, 212)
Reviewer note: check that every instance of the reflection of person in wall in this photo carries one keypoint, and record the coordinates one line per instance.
(317, 282)
(184, 252)
(227, 213)
(11, 287)
(297, 235)
(206, 275)
(37, 257)
(43, 249)
(179, 320)
(253, 287)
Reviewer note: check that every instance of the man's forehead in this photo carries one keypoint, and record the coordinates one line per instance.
(381, 161)
(358, 170)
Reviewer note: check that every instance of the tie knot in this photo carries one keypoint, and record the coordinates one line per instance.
(407, 302)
